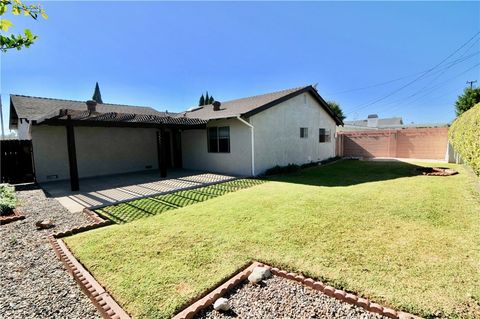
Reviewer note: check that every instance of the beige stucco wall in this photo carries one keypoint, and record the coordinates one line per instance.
(277, 133)
(100, 151)
(50, 152)
(195, 153)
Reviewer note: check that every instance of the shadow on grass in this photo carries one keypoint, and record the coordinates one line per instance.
(145, 207)
(349, 172)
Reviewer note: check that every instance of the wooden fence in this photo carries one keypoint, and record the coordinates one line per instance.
(16, 161)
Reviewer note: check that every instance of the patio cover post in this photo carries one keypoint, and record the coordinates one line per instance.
(72, 155)
(162, 160)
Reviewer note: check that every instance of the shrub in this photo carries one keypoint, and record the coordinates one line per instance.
(292, 168)
(7, 198)
(464, 135)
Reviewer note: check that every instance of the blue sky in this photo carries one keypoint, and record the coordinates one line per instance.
(165, 54)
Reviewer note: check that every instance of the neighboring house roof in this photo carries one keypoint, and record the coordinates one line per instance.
(386, 122)
(37, 108)
(249, 106)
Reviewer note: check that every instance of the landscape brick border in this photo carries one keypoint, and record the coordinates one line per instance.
(101, 299)
(330, 291)
(17, 215)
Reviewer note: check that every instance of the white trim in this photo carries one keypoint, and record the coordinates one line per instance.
(253, 141)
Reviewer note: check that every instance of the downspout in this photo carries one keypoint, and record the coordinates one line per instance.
(253, 141)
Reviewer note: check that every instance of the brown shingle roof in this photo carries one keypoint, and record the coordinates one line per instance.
(251, 105)
(36, 108)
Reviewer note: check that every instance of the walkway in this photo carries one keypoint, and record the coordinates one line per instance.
(105, 190)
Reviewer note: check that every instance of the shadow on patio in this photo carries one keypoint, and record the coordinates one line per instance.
(113, 189)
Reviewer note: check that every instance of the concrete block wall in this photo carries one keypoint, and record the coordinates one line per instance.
(422, 143)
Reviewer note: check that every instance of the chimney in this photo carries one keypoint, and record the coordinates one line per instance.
(216, 105)
(91, 106)
(372, 120)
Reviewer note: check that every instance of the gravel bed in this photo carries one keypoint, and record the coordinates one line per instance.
(33, 282)
(278, 297)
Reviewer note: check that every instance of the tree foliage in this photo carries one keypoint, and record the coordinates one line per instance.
(335, 107)
(18, 41)
(205, 100)
(467, 100)
(97, 96)
(464, 135)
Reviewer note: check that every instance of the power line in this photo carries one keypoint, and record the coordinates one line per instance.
(419, 77)
(447, 66)
(427, 87)
(430, 90)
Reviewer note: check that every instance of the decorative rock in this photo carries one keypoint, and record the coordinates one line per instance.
(221, 304)
(255, 277)
(258, 274)
(44, 224)
(46, 290)
(279, 297)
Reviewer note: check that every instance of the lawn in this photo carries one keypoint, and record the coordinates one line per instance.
(147, 207)
(374, 228)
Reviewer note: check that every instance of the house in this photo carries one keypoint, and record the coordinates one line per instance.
(373, 122)
(245, 137)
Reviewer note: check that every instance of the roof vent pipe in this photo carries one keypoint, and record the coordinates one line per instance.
(216, 105)
(91, 106)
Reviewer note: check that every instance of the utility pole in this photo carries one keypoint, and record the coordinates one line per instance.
(471, 83)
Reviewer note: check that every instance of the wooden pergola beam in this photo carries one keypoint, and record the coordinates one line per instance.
(72, 156)
(161, 152)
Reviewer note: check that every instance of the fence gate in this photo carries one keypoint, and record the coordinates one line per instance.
(16, 161)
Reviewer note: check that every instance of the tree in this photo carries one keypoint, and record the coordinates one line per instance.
(335, 107)
(204, 100)
(201, 102)
(18, 41)
(470, 97)
(207, 98)
(97, 96)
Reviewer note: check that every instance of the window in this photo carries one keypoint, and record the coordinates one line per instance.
(303, 132)
(324, 136)
(219, 139)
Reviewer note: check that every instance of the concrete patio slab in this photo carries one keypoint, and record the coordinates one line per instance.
(106, 190)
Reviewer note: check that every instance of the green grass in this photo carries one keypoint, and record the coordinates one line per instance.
(151, 206)
(375, 228)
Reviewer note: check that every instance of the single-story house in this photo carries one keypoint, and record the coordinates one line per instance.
(245, 137)
(373, 122)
